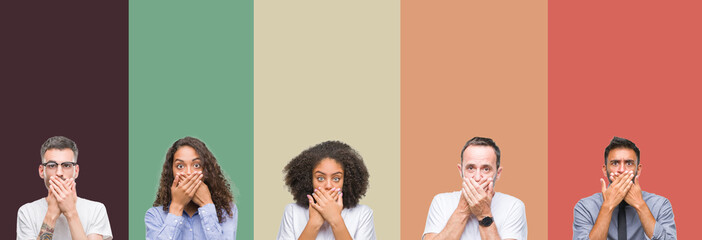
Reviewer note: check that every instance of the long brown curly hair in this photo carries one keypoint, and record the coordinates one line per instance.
(298, 172)
(212, 177)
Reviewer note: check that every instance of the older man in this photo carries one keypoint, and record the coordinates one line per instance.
(476, 211)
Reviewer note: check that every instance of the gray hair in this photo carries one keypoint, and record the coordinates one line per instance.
(59, 142)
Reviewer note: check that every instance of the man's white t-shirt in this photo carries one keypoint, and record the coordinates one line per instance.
(508, 215)
(93, 217)
(358, 220)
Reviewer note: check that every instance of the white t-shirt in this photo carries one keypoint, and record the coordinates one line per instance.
(507, 212)
(358, 220)
(93, 217)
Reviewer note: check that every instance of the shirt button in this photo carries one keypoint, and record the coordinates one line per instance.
(208, 229)
(191, 229)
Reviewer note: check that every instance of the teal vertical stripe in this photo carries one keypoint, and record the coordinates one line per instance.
(190, 74)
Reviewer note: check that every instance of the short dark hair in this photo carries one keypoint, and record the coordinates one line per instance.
(482, 141)
(59, 142)
(618, 142)
(298, 172)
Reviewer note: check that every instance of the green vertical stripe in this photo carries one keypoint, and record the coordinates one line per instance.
(190, 74)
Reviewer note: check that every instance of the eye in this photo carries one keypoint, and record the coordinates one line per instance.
(197, 165)
(320, 179)
(179, 166)
(51, 165)
(470, 168)
(336, 179)
(486, 169)
(615, 163)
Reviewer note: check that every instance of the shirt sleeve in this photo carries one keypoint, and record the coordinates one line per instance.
(100, 224)
(366, 228)
(285, 232)
(583, 221)
(515, 226)
(665, 224)
(436, 221)
(24, 226)
(162, 229)
(211, 226)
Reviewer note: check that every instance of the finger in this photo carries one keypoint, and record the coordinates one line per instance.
(189, 181)
(57, 185)
(316, 197)
(339, 199)
(471, 195)
(636, 180)
(195, 185)
(464, 192)
(604, 186)
(333, 194)
(57, 195)
(323, 195)
(625, 180)
(476, 194)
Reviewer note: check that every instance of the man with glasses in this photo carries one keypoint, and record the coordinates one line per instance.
(622, 210)
(476, 211)
(61, 214)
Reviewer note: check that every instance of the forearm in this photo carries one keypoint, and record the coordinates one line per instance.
(47, 227)
(339, 229)
(310, 232)
(453, 229)
(74, 224)
(647, 220)
(599, 230)
(489, 233)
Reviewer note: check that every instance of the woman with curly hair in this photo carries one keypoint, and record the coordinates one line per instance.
(326, 182)
(193, 200)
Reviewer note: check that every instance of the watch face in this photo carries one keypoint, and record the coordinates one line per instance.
(486, 222)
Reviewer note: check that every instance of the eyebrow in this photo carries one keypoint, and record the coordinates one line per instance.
(194, 159)
(331, 174)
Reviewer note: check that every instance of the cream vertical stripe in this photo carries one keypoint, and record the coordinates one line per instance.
(326, 70)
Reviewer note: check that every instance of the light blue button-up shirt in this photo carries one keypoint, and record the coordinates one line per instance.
(202, 225)
(587, 209)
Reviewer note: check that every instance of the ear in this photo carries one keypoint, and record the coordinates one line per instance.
(460, 171)
(41, 171)
(75, 174)
(499, 172)
(638, 170)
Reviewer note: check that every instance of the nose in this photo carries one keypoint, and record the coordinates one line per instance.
(621, 168)
(328, 184)
(477, 177)
(59, 170)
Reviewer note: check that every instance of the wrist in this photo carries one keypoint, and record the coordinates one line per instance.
(176, 209)
(70, 214)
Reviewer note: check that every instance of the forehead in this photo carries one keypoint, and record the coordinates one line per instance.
(185, 153)
(59, 155)
(622, 154)
(479, 155)
(328, 166)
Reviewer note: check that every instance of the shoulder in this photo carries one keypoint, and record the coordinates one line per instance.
(31, 205)
(592, 202)
(447, 197)
(361, 209)
(654, 200)
(87, 202)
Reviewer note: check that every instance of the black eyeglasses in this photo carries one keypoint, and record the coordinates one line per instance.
(64, 165)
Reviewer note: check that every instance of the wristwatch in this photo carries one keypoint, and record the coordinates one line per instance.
(486, 221)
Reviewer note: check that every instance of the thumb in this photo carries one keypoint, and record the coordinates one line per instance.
(175, 182)
(604, 186)
(491, 189)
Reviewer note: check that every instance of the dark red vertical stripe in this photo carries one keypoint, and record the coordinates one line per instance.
(628, 69)
(64, 72)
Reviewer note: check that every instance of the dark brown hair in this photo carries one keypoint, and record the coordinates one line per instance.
(212, 177)
(298, 172)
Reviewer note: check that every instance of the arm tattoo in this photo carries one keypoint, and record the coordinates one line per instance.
(46, 232)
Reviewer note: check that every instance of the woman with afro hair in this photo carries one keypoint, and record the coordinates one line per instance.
(194, 200)
(327, 181)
